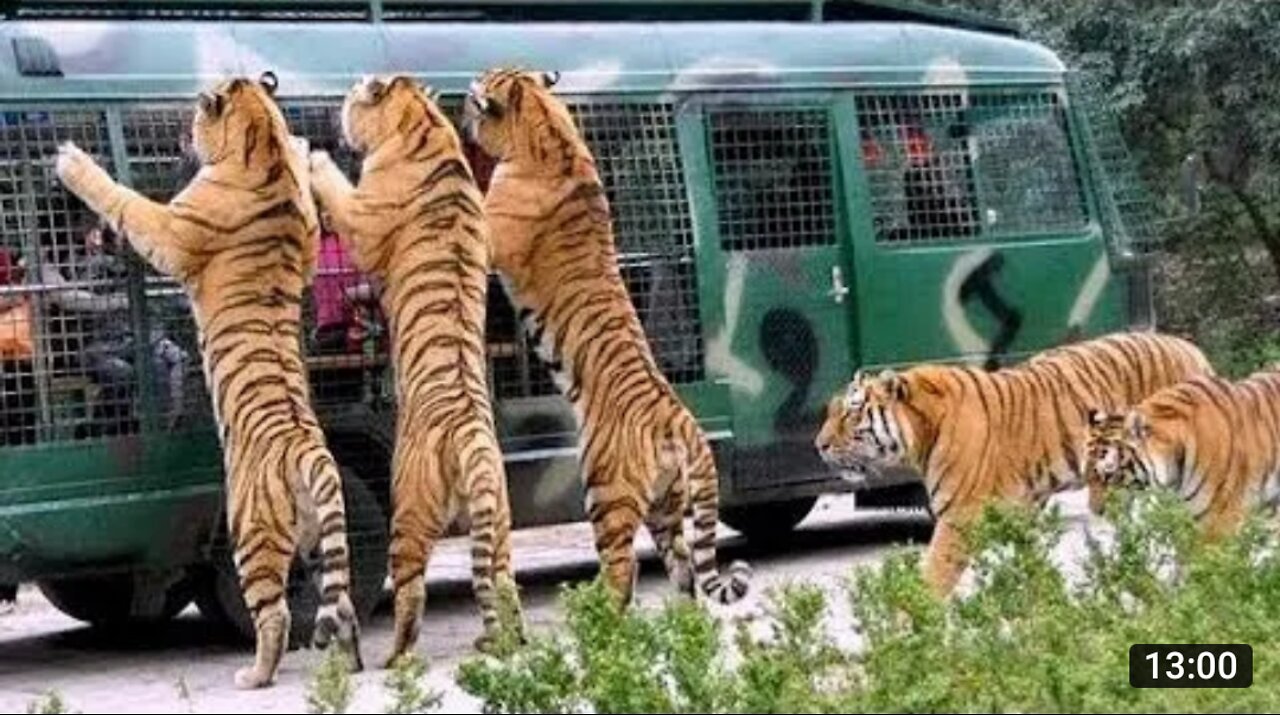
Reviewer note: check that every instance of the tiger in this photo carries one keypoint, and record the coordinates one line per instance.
(1215, 442)
(644, 456)
(415, 223)
(1014, 434)
(242, 239)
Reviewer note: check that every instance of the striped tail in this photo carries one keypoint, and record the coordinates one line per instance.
(489, 513)
(704, 493)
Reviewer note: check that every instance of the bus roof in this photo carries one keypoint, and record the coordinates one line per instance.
(82, 59)
(506, 11)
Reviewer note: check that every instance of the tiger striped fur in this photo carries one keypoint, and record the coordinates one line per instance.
(1216, 443)
(242, 238)
(415, 222)
(1016, 434)
(643, 454)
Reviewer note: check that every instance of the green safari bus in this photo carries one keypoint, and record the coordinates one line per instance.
(801, 188)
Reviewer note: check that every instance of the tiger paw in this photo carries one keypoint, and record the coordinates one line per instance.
(248, 678)
(72, 162)
(320, 160)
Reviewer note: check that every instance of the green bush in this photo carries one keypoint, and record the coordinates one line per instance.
(1026, 638)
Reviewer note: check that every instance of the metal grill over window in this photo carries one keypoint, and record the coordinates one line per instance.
(83, 375)
(636, 152)
(1132, 221)
(65, 383)
(948, 165)
(772, 170)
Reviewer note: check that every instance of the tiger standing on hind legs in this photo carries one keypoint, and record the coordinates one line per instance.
(242, 239)
(416, 223)
(1015, 435)
(644, 457)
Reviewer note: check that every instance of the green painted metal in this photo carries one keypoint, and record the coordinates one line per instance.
(736, 155)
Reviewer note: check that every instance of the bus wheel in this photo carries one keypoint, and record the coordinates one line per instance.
(120, 598)
(218, 586)
(768, 521)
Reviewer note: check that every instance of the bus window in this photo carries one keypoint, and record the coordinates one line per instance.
(772, 178)
(637, 155)
(1024, 164)
(917, 160)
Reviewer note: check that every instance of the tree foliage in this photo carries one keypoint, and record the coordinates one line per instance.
(1197, 92)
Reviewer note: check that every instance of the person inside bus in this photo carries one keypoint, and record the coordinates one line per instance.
(937, 195)
(342, 299)
(938, 206)
(17, 356)
(86, 296)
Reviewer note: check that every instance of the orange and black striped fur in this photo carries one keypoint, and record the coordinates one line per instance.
(643, 454)
(416, 223)
(242, 239)
(1015, 434)
(1214, 442)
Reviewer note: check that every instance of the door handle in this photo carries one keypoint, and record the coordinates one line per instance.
(838, 289)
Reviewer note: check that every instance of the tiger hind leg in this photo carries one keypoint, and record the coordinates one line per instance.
(262, 557)
(615, 520)
(336, 620)
(666, 525)
(418, 522)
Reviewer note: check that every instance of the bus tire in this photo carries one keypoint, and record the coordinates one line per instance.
(108, 600)
(218, 588)
(768, 522)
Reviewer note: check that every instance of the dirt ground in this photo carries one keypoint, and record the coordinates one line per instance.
(187, 666)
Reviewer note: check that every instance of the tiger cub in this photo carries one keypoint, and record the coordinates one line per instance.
(242, 239)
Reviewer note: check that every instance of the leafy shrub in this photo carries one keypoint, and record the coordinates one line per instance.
(1029, 637)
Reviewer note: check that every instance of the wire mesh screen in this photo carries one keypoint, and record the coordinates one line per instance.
(772, 172)
(638, 157)
(74, 286)
(948, 165)
(71, 377)
(1130, 218)
(160, 164)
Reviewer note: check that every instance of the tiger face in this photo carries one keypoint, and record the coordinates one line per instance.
(496, 114)
(378, 108)
(1117, 451)
(234, 117)
(865, 429)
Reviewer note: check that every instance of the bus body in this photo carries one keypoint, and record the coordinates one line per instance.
(798, 192)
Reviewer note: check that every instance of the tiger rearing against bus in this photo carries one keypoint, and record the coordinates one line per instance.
(242, 239)
(415, 223)
(644, 455)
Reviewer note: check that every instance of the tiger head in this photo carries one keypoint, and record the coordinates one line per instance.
(870, 426)
(379, 108)
(508, 113)
(239, 120)
(1119, 450)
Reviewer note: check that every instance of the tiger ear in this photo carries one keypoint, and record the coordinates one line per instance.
(210, 104)
(376, 87)
(896, 385)
(1095, 417)
(549, 79)
(1139, 427)
(268, 81)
